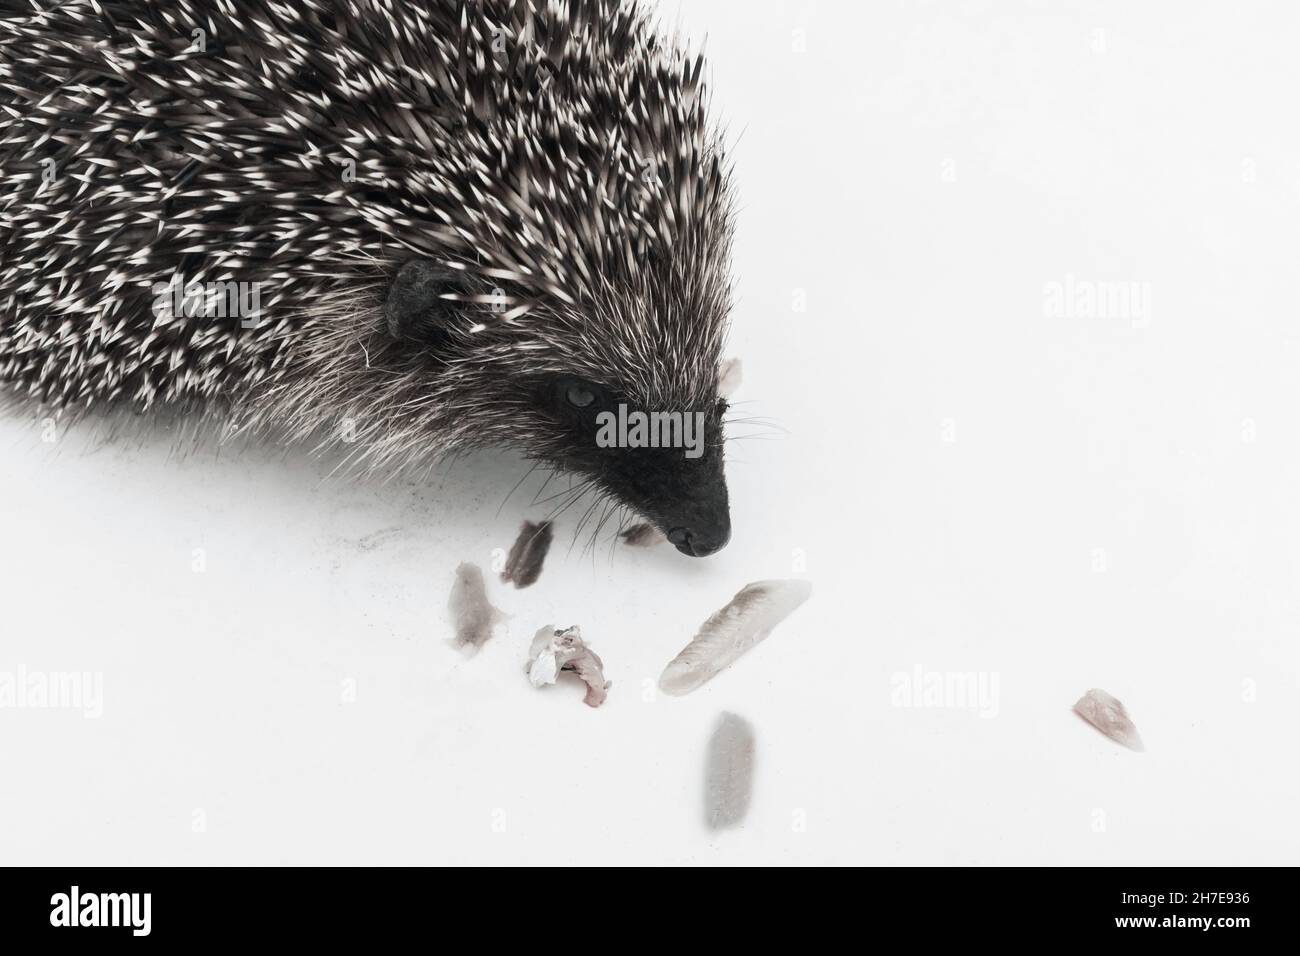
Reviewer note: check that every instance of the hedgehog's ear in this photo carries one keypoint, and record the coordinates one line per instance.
(413, 308)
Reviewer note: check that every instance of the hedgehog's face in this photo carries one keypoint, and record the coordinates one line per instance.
(665, 463)
(660, 456)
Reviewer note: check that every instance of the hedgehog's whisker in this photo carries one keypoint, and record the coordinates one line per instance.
(536, 465)
(549, 476)
(581, 524)
(595, 535)
(574, 496)
(561, 494)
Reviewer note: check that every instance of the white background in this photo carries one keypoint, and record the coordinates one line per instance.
(975, 486)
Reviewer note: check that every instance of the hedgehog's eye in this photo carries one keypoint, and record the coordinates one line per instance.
(580, 397)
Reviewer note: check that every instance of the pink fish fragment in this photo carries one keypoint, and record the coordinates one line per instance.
(554, 651)
(1109, 716)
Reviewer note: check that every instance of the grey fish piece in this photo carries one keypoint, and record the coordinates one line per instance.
(643, 535)
(729, 772)
(524, 563)
(732, 631)
(554, 651)
(1109, 716)
(471, 614)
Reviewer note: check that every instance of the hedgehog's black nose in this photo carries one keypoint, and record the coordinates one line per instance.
(698, 543)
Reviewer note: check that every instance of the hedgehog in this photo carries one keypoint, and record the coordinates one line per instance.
(399, 229)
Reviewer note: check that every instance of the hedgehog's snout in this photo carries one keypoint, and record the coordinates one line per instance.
(699, 524)
(666, 465)
(701, 540)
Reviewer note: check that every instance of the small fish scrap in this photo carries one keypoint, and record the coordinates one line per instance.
(554, 651)
(471, 614)
(643, 535)
(729, 772)
(1109, 716)
(730, 632)
(524, 563)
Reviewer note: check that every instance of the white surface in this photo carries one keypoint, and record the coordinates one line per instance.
(924, 281)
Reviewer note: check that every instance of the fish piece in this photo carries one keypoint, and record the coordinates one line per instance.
(729, 377)
(729, 772)
(542, 667)
(1109, 716)
(643, 535)
(730, 632)
(471, 614)
(524, 563)
(553, 651)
